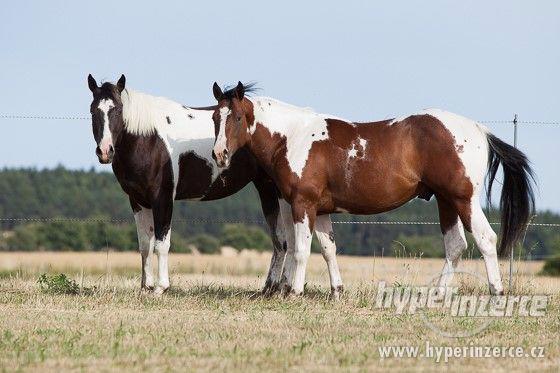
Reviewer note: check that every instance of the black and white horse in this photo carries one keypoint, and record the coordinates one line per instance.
(161, 151)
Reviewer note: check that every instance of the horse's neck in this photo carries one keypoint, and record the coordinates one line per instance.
(281, 118)
(144, 114)
(277, 124)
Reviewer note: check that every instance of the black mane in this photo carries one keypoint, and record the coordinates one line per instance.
(230, 90)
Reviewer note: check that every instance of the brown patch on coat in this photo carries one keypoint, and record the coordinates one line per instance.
(412, 158)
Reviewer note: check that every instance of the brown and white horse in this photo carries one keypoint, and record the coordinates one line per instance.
(161, 151)
(323, 164)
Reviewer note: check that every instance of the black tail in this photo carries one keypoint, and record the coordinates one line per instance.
(517, 202)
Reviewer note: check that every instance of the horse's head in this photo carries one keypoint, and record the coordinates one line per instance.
(106, 116)
(231, 122)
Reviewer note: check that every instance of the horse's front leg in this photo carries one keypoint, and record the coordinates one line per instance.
(145, 230)
(304, 221)
(162, 209)
(279, 247)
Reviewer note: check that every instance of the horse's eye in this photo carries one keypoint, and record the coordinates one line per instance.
(239, 119)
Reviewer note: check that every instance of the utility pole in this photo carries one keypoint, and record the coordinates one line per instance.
(512, 248)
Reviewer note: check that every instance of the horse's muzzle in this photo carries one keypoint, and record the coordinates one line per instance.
(221, 158)
(105, 157)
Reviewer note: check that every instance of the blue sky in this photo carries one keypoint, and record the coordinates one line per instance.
(362, 60)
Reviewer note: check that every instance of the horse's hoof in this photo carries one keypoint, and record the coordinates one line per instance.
(158, 291)
(291, 293)
(336, 292)
(146, 289)
(271, 289)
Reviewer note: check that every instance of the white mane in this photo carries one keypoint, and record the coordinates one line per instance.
(143, 114)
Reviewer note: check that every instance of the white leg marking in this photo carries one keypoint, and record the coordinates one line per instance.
(146, 239)
(486, 240)
(277, 261)
(162, 251)
(325, 234)
(288, 223)
(303, 236)
(455, 243)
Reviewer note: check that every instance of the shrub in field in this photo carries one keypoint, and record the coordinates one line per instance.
(62, 235)
(79, 236)
(241, 236)
(205, 243)
(179, 244)
(419, 246)
(552, 266)
(57, 284)
(122, 237)
(24, 238)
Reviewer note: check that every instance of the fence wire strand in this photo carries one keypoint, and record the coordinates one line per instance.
(88, 117)
(240, 221)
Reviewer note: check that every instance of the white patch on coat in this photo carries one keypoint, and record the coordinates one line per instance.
(470, 139)
(300, 126)
(353, 152)
(105, 105)
(190, 130)
(471, 144)
(363, 143)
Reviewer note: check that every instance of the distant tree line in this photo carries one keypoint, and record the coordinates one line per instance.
(62, 193)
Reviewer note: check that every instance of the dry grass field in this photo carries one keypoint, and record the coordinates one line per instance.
(214, 319)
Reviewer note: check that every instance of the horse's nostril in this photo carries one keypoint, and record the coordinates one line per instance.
(225, 153)
(111, 150)
(98, 151)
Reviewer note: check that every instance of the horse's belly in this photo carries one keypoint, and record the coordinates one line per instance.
(195, 177)
(373, 191)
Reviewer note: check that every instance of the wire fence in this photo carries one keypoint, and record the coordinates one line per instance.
(88, 117)
(239, 221)
(514, 122)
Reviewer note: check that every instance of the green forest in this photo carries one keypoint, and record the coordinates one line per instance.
(36, 208)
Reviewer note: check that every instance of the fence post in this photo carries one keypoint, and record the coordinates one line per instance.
(513, 247)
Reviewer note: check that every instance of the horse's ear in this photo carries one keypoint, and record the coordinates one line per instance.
(240, 91)
(218, 94)
(121, 83)
(92, 84)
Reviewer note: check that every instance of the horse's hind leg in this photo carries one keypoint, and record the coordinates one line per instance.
(289, 232)
(325, 234)
(453, 239)
(270, 204)
(475, 221)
